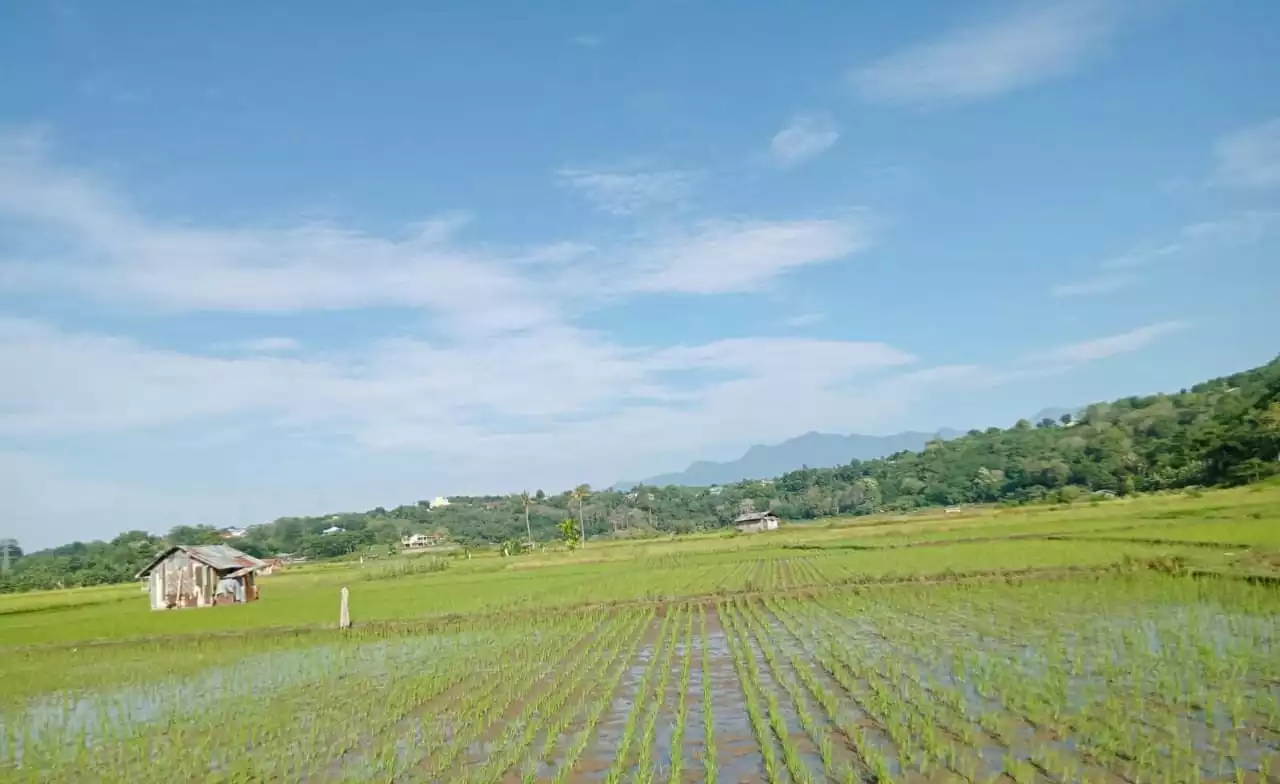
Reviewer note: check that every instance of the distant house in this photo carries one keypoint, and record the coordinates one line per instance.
(754, 522)
(418, 541)
(232, 533)
(333, 529)
(201, 576)
(715, 490)
(439, 502)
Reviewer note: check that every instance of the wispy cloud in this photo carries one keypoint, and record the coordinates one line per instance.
(804, 137)
(738, 256)
(1250, 158)
(623, 192)
(1038, 42)
(1110, 346)
(588, 41)
(1102, 284)
(1141, 257)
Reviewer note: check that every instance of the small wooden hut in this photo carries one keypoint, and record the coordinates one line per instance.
(754, 522)
(201, 576)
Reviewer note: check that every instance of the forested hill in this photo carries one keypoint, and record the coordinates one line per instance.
(1220, 432)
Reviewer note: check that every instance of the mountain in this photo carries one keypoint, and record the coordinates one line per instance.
(816, 450)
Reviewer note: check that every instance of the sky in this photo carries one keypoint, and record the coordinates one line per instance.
(298, 258)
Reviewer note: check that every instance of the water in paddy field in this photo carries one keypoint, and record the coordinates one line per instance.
(85, 716)
(976, 672)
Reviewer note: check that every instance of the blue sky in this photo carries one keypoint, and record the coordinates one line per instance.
(258, 261)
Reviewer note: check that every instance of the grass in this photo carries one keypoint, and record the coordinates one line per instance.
(849, 651)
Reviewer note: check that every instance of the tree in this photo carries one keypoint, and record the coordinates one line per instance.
(580, 493)
(569, 533)
(524, 499)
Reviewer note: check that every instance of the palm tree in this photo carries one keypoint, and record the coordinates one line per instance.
(524, 499)
(581, 492)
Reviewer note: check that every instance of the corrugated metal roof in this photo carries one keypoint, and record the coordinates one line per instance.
(219, 556)
(748, 517)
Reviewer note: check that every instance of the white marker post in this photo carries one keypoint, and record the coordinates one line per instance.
(344, 613)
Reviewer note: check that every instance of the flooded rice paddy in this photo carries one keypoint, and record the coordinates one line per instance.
(1106, 679)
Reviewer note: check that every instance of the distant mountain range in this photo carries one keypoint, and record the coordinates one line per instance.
(815, 450)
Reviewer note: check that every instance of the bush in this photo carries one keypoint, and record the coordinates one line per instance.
(405, 567)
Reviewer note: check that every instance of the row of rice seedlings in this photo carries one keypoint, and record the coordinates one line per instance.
(369, 736)
(760, 627)
(826, 698)
(548, 707)
(878, 704)
(943, 708)
(709, 764)
(587, 696)
(1164, 659)
(192, 739)
(603, 699)
(514, 691)
(1038, 686)
(646, 764)
(682, 708)
(744, 665)
(621, 757)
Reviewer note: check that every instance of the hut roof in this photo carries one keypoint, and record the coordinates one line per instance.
(218, 556)
(751, 517)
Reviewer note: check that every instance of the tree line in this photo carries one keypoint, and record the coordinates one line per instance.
(1221, 432)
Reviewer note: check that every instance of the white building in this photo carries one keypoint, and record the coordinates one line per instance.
(439, 501)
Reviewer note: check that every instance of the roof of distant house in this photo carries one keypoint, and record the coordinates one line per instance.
(218, 556)
(751, 517)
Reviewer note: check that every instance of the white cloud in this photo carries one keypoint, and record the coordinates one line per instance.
(1102, 284)
(588, 41)
(1141, 257)
(738, 256)
(623, 192)
(1250, 158)
(1239, 229)
(1110, 346)
(1038, 42)
(804, 137)
(450, 399)
(97, 243)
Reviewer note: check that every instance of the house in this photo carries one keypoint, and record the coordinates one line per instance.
(754, 522)
(333, 529)
(439, 502)
(417, 541)
(201, 576)
(232, 533)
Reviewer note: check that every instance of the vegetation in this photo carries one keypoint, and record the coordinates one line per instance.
(1221, 432)
(1072, 643)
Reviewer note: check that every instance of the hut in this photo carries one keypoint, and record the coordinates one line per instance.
(201, 576)
(754, 522)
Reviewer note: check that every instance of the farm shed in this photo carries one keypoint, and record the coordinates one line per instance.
(201, 576)
(754, 522)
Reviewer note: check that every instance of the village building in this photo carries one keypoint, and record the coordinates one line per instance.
(439, 502)
(754, 522)
(201, 576)
(418, 541)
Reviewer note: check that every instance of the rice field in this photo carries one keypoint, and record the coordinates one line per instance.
(801, 660)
